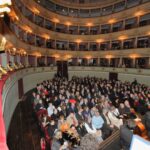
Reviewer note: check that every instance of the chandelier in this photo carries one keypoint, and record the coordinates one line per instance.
(4, 7)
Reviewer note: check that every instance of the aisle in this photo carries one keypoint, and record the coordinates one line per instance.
(24, 133)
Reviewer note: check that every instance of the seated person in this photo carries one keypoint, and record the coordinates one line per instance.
(39, 106)
(108, 127)
(122, 110)
(113, 115)
(126, 133)
(79, 114)
(55, 114)
(81, 129)
(62, 124)
(97, 121)
(92, 130)
(127, 107)
(52, 127)
(86, 112)
(50, 109)
(72, 108)
(72, 120)
(56, 142)
(44, 121)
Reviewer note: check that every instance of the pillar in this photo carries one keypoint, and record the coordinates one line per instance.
(45, 60)
(27, 60)
(109, 60)
(4, 60)
(133, 62)
(148, 65)
(35, 61)
(98, 61)
(120, 62)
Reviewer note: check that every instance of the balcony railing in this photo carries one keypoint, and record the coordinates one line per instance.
(122, 25)
(39, 41)
(93, 12)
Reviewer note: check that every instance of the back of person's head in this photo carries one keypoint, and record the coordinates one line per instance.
(131, 124)
(89, 142)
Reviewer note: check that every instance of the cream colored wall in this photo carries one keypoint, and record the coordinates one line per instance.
(30, 81)
(32, 76)
(10, 97)
(144, 79)
(11, 102)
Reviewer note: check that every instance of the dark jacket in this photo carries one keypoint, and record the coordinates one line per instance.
(125, 137)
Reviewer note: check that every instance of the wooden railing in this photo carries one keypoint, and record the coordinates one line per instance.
(110, 140)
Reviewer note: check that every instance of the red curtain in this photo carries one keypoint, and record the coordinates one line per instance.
(3, 145)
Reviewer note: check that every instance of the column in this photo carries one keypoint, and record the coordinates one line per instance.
(33, 17)
(11, 58)
(44, 23)
(133, 62)
(88, 61)
(4, 60)
(55, 61)
(98, 46)
(45, 60)
(68, 45)
(123, 26)
(109, 60)
(120, 62)
(55, 44)
(138, 21)
(18, 58)
(35, 61)
(78, 29)
(55, 27)
(45, 41)
(135, 43)
(148, 63)
(89, 29)
(98, 61)
(88, 47)
(111, 27)
(27, 60)
(122, 41)
(68, 28)
(78, 46)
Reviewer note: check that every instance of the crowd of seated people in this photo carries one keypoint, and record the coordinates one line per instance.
(71, 111)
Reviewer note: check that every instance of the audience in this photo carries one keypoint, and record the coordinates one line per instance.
(71, 111)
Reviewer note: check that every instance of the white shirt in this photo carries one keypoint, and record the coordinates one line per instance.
(89, 130)
(50, 110)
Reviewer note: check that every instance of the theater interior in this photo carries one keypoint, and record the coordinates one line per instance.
(74, 74)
